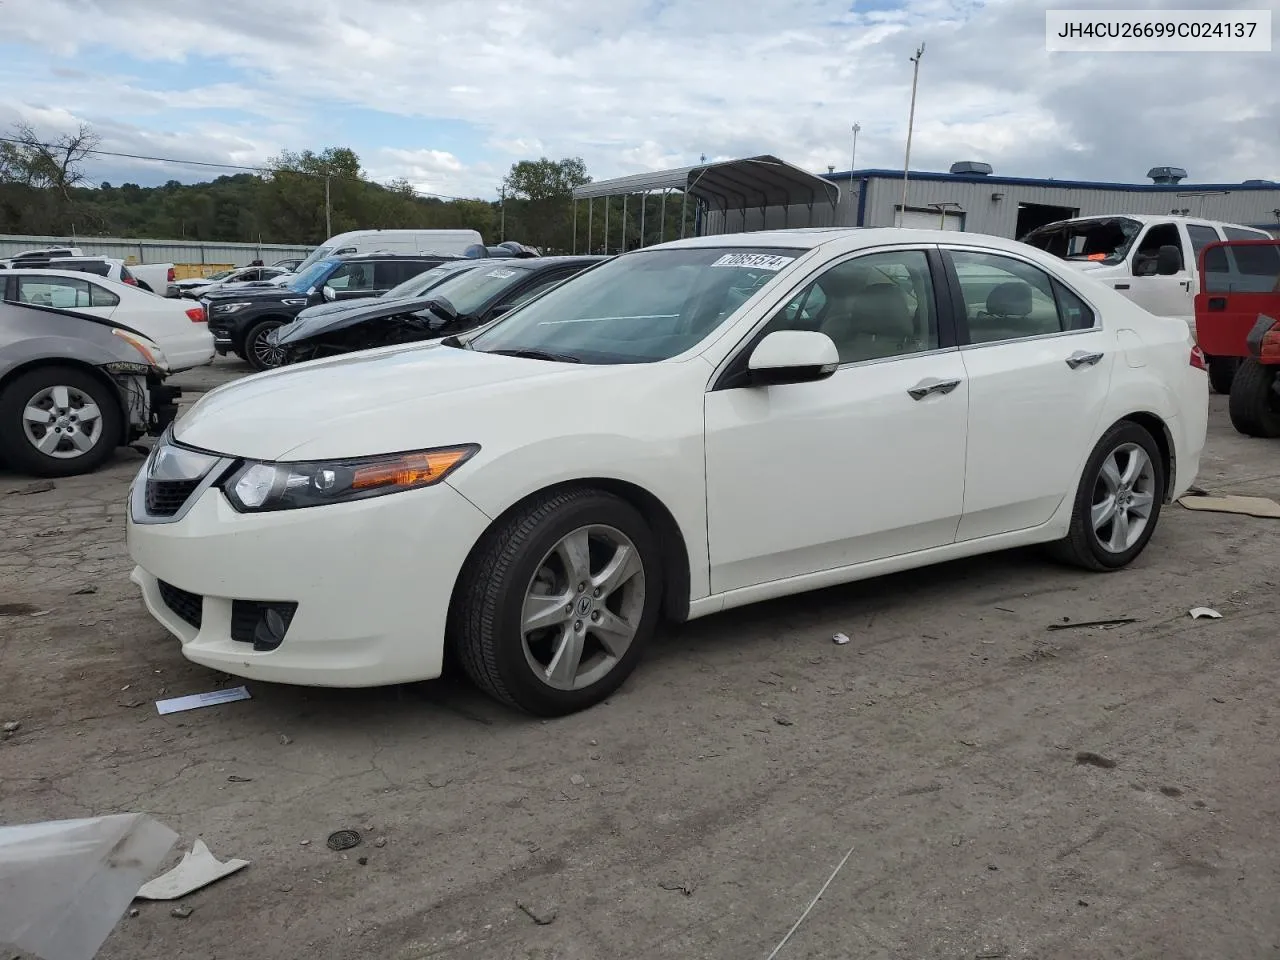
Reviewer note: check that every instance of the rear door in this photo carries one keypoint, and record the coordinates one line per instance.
(1038, 364)
(1239, 280)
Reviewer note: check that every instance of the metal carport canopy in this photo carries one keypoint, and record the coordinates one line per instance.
(763, 181)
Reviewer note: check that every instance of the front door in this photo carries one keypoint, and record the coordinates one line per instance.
(864, 465)
(1038, 365)
(1165, 296)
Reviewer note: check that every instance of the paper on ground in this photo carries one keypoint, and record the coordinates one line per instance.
(1198, 612)
(196, 700)
(64, 884)
(1247, 506)
(199, 868)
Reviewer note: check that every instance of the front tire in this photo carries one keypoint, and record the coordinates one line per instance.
(1118, 502)
(1254, 405)
(58, 422)
(257, 352)
(555, 607)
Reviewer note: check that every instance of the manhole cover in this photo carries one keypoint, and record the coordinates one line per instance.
(343, 840)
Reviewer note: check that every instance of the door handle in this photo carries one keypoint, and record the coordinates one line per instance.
(1121, 286)
(1217, 303)
(930, 386)
(1185, 284)
(1082, 358)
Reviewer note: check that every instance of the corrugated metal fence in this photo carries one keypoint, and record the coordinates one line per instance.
(159, 251)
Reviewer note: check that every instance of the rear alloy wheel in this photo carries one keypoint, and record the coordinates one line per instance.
(58, 422)
(1222, 371)
(556, 606)
(1254, 404)
(258, 351)
(1118, 502)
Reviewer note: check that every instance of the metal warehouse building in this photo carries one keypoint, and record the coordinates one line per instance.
(766, 193)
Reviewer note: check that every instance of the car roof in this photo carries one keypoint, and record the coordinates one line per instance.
(70, 274)
(391, 255)
(810, 238)
(1146, 218)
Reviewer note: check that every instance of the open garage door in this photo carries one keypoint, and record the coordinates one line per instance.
(931, 219)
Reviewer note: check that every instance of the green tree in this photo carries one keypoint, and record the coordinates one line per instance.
(538, 196)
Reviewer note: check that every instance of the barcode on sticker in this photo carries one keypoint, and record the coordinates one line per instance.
(754, 261)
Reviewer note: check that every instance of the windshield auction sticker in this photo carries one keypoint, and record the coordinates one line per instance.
(754, 261)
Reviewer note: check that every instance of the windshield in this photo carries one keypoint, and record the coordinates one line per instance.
(220, 275)
(319, 253)
(304, 280)
(1106, 239)
(418, 285)
(641, 307)
(472, 289)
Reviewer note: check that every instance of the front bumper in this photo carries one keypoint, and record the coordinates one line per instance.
(372, 581)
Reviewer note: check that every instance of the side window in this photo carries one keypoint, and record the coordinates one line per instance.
(1235, 233)
(1161, 235)
(529, 293)
(61, 292)
(102, 297)
(874, 306)
(1201, 237)
(1255, 268)
(1074, 313)
(1008, 299)
(352, 276)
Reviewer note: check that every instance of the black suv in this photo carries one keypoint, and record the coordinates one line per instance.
(241, 317)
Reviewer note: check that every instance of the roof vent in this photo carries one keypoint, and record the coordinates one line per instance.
(1166, 175)
(972, 168)
(1259, 183)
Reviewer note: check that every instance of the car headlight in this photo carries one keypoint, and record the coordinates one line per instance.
(295, 302)
(256, 487)
(228, 307)
(153, 355)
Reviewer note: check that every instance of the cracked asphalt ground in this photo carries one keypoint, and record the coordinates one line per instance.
(698, 812)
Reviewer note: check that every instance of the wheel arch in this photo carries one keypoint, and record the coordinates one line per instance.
(241, 333)
(1155, 425)
(97, 373)
(676, 575)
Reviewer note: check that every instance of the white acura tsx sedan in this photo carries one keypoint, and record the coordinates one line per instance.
(680, 430)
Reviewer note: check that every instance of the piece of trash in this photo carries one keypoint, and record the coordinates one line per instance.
(1082, 903)
(783, 721)
(812, 903)
(363, 861)
(541, 918)
(1113, 622)
(133, 912)
(85, 590)
(40, 486)
(286, 739)
(577, 779)
(1087, 758)
(234, 779)
(1218, 700)
(595, 743)
(686, 887)
(195, 701)
(13, 726)
(198, 868)
(1206, 612)
(380, 842)
(1245, 506)
(840, 638)
(181, 911)
(65, 884)
(343, 840)
(305, 843)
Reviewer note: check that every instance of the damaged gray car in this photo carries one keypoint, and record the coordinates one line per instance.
(73, 387)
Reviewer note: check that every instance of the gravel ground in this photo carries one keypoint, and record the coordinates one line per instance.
(698, 812)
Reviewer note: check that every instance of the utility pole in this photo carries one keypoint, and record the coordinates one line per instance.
(911, 120)
(853, 165)
(328, 213)
(502, 207)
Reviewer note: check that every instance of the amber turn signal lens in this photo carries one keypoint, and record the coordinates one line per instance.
(410, 470)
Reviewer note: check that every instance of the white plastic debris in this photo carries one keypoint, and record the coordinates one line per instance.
(841, 639)
(195, 701)
(1198, 612)
(199, 868)
(64, 884)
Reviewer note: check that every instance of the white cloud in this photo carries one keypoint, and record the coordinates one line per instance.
(633, 85)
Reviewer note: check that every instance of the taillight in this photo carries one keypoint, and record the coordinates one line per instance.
(170, 277)
(1198, 360)
(129, 279)
(197, 315)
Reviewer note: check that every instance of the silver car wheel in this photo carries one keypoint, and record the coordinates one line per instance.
(1123, 496)
(583, 607)
(62, 422)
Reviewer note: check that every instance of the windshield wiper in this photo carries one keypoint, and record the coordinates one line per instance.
(537, 355)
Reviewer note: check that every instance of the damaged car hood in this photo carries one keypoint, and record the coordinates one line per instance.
(316, 321)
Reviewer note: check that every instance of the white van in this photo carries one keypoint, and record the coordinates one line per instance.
(1152, 260)
(449, 242)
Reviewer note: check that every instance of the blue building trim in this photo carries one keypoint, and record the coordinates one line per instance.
(864, 175)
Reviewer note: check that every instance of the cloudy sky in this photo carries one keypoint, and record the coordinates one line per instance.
(448, 93)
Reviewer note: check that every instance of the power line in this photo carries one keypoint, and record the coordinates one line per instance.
(221, 166)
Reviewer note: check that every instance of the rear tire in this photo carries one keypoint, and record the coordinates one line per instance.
(1123, 484)
(1254, 404)
(524, 573)
(71, 424)
(1222, 371)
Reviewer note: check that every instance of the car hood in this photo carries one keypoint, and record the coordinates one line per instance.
(377, 401)
(250, 292)
(326, 318)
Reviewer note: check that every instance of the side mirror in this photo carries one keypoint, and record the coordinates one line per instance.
(792, 356)
(1168, 260)
(329, 293)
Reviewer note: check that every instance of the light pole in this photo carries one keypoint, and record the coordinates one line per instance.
(853, 165)
(911, 120)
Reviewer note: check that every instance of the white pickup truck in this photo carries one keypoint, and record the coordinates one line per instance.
(1152, 260)
(156, 278)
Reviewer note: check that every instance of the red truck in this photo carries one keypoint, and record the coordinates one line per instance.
(1238, 327)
